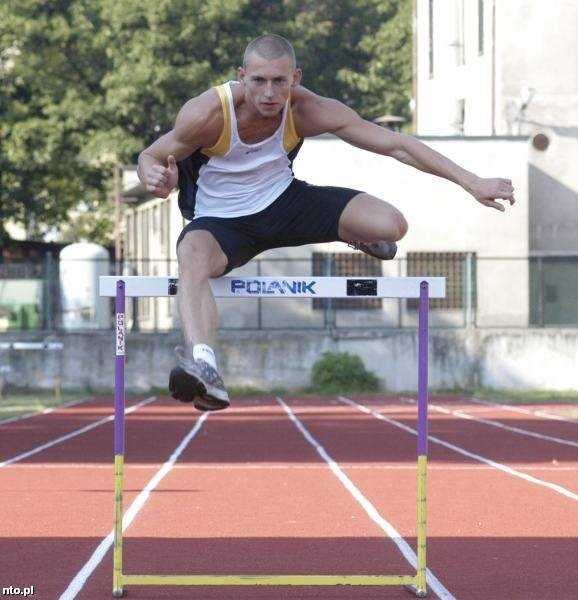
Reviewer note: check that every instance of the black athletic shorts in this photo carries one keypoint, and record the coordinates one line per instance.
(303, 214)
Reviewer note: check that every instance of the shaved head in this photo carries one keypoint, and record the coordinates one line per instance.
(270, 47)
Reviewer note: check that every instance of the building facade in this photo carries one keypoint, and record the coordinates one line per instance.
(494, 68)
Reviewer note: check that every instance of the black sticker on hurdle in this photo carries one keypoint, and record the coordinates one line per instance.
(173, 287)
(362, 287)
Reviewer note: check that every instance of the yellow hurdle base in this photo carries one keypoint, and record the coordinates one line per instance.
(411, 582)
(304, 580)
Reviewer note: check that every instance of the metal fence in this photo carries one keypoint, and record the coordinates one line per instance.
(482, 292)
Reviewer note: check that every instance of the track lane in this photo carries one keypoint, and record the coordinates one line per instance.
(19, 437)
(526, 417)
(45, 411)
(543, 411)
(490, 534)
(52, 518)
(515, 448)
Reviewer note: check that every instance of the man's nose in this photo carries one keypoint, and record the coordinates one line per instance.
(269, 90)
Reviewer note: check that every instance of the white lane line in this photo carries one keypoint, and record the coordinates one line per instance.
(73, 434)
(383, 524)
(527, 432)
(524, 411)
(509, 470)
(45, 411)
(77, 583)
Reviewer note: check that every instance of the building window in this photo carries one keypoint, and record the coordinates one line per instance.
(480, 27)
(165, 223)
(145, 251)
(156, 225)
(459, 270)
(459, 41)
(128, 236)
(460, 116)
(431, 38)
(346, 264)
(553, 291)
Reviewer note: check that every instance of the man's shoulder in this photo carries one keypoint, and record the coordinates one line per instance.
(201, 117)
(208, 100)
(302, 95)
(311, 111)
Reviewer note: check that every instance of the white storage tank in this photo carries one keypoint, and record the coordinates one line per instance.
(81, 265)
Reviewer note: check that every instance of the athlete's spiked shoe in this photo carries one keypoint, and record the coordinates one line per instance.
(382, 250)
(198, 382)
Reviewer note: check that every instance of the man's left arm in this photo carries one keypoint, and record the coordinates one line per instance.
(336, 118)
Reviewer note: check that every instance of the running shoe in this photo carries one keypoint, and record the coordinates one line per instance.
(198, 382)
(380, 250)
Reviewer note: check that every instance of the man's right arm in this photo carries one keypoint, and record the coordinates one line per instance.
(198, 124)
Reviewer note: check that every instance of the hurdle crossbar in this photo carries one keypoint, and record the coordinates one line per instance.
(421, 288)
(45, 345)
(31, 345)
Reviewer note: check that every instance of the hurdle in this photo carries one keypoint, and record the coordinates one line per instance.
(421, 288)
(45, 345)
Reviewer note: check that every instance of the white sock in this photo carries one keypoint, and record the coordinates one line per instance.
(206, 353)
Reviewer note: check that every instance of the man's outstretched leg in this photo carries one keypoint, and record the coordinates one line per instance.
(372, 226)
(196, 379)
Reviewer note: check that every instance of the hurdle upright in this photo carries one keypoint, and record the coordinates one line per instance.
(421, 288)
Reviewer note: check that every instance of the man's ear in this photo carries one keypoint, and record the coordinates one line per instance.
(240, 74)
(297, 75)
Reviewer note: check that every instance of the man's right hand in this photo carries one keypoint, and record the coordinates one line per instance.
(161, 180)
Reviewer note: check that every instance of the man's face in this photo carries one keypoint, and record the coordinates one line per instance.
(268, 83)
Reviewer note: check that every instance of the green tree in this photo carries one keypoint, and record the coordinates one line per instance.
(86, 83)
(358, 51)
(50, 68)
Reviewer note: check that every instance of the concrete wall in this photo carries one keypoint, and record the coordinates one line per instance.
(496, 358)
(442, 216)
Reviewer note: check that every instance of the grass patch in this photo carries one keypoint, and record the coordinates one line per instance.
(514, 396)
(17, 402)
(250, 392)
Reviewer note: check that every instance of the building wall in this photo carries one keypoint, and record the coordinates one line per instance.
(442, 216)
(459, 72)
(527, 44)
(539, 48)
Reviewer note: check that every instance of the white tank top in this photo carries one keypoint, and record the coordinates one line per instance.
(242, 179)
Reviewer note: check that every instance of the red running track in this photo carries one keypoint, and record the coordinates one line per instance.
(250, 494)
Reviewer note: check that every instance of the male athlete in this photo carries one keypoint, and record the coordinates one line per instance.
(231, 152)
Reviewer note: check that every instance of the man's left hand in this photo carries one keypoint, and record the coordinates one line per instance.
(487, 191)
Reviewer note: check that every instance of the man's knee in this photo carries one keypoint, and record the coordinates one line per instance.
(400, 226)
(198, 253)
(393, 225)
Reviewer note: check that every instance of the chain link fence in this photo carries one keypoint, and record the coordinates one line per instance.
(481, 292)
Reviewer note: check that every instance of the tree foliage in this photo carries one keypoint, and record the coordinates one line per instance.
(86, 83)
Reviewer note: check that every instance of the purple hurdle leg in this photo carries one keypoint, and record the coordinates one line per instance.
(119, 371)
(423, 369)
(117, 590)
(423, 335)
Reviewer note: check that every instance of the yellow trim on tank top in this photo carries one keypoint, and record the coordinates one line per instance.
(224, 142)
(290, 137)
(221, 147)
